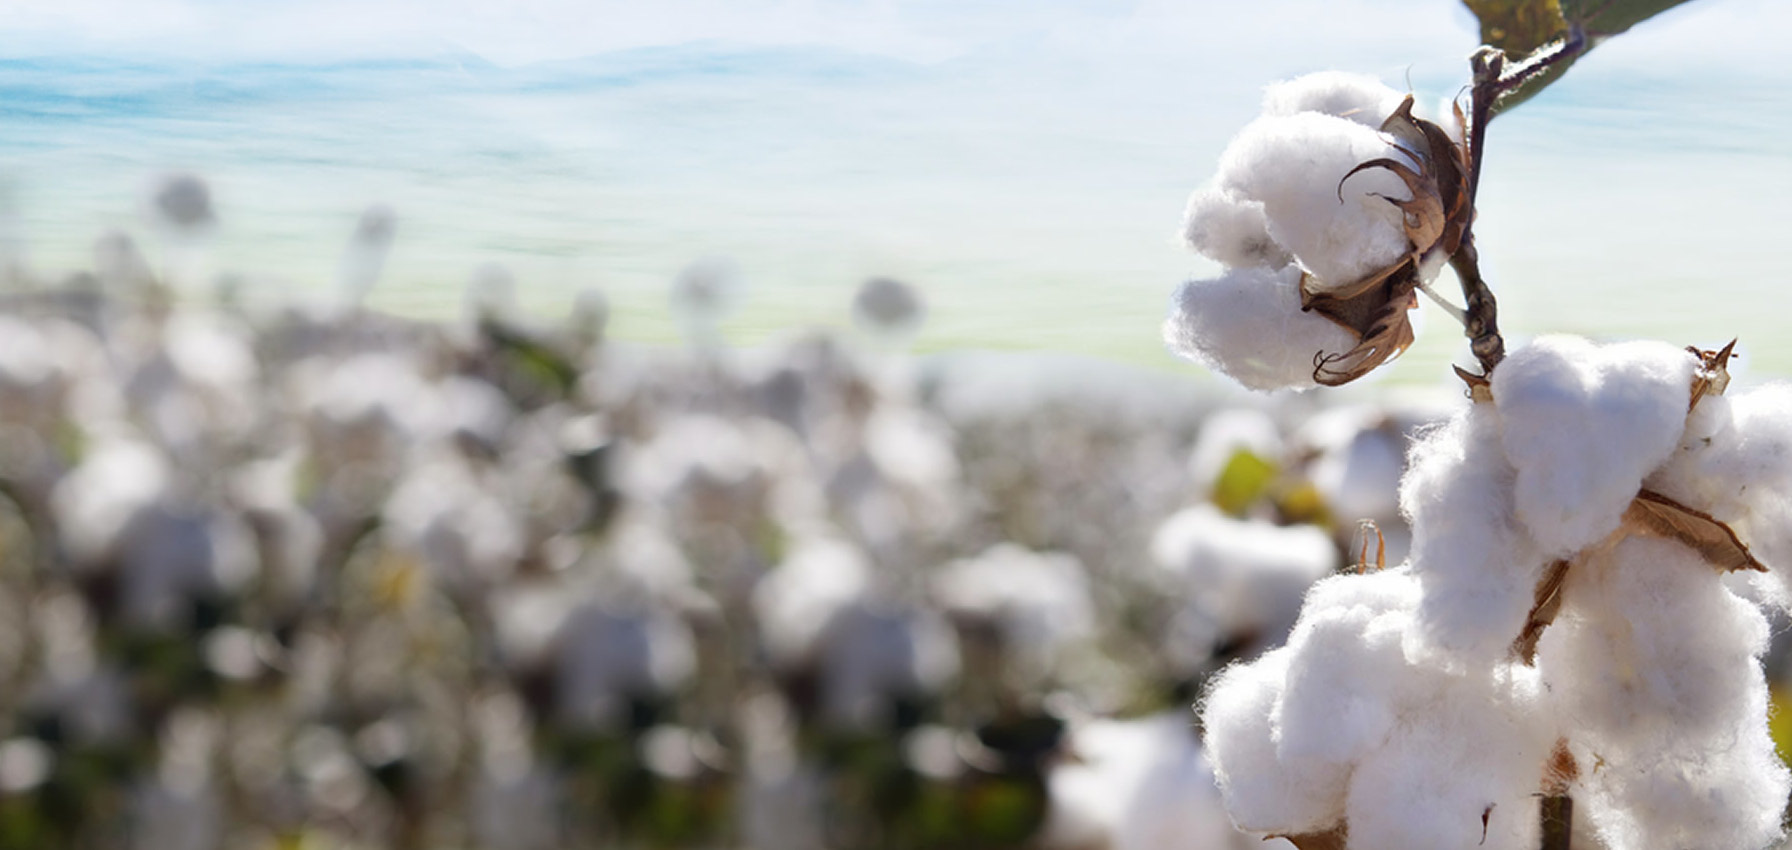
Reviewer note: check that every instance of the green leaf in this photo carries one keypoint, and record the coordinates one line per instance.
(1519, 26)
(1602, 18)
(1244, 480)
(1522, 28)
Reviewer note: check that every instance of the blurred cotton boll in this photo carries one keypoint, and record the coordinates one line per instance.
(703, 294)
(889, 310)
(183, 202)
(365, 255)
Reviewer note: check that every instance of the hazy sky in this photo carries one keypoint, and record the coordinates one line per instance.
(1717, 32)
(1024, 162)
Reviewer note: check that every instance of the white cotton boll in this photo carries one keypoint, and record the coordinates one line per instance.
(1650, 648)
(1735, 463)
(1238, 718)
(1348, 672)
(795, 602)
(1359, 463)
(1583, 425)
(912, 448)
(1039, 601)
(1461, 769)
(1140, 784)
(1248, 325)
(871, 654)
(1358, 97)
(1243, 577)
(1296, 166)
(1478, 566)
(1231, 230)
(1225, 433)
(95, 504)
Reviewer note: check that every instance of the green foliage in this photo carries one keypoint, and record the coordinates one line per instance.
(1523, 28)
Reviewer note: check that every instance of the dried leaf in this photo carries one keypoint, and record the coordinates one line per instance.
(1331, 839)
(1713, 374)
(1388, 333)
(1548, 596)
(1654, 515)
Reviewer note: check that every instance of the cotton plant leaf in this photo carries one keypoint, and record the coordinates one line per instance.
(1244, 480)
(1529, 28)
(1601, 19)
(1653, 515)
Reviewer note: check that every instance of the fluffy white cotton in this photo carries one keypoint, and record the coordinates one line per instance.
(1654, 665)
(1478, 566)
(1231, 230)
(1348, 673)
(1358, 97)
(1583, 425)
(796, 601)
(1241, 577)
(1295, 166)
(1248, 324)
(1261, 793)
(1735, 463)
(1461, 770)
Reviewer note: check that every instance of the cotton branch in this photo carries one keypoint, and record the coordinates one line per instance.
(1492, 80)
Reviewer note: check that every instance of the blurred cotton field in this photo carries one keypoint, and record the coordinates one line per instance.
(316, 576)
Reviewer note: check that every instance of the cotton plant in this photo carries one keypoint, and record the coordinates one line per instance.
(1563, 658)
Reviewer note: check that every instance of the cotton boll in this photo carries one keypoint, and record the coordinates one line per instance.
(1651, 648)
(1225, 433)
(1231, 230)
(1478, 566)
(1245, 578)
(1359, 463)
(1461, 769)
(1735, 463)
(95, 504)
(1038, 601)
(1358, 97)
(1347, 673)
(1248, 325)
(1296, 166)
(794, 603)
(1583, 425)
(1261, 793)
(1141, 784)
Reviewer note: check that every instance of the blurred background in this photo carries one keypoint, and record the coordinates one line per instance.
(725, 426)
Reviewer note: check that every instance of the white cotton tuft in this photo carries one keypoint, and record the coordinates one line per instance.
(1358, 97)
(1341, 230)
(1231, 230)
(1654, 665)
(1461, 771)
(1735, 463)
(1583, 425)
(1348, 668)
(1261, 793)
(1248, 325)
(1476, 563)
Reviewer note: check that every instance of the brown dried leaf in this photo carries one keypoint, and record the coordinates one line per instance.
(1713, 374)
(1388, 333)
(1654, 515)
(1331, 839)
(1548, 603)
